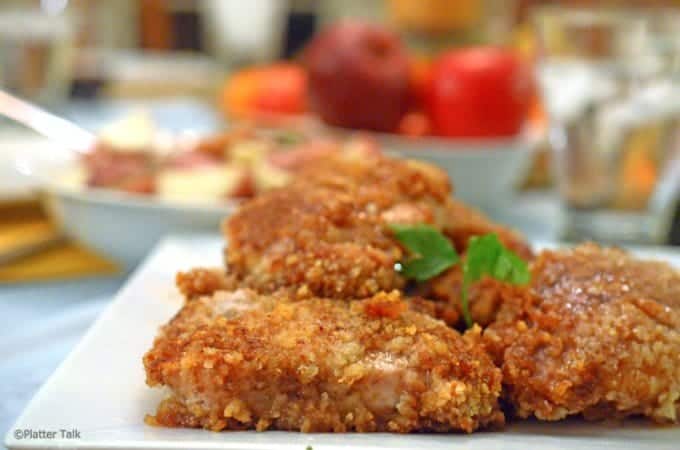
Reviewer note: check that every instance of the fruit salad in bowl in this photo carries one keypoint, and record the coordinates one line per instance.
(139, 183)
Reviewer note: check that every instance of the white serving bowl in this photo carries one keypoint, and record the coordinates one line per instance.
(126, 228)
(122, 226)
(485, 172)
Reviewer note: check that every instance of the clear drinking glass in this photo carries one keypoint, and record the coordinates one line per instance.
(36, 52)
(608, 83)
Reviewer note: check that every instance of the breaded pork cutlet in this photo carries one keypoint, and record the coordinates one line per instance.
(201, 282)
(239, 360)
(326, 234)
(597, 333)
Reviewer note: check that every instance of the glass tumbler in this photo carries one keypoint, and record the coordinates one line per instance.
(609, 84)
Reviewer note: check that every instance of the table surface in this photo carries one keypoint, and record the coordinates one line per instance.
(39, 325)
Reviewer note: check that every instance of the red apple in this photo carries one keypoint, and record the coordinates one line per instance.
(358, 76)
(479, 92)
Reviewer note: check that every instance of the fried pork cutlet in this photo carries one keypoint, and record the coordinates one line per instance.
(409, 179)
(201, 282)
(239, 360)
(326, 234)
(597, 333)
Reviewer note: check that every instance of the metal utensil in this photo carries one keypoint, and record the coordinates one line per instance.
(53, 127)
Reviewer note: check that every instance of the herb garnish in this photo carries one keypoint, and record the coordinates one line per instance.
(431, 252)
(486, 255)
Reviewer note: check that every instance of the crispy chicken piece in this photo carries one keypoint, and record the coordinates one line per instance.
(238, 360)
(326, 234)
(597, 333)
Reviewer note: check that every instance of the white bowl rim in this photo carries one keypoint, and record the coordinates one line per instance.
(120, 198)
(458, 146)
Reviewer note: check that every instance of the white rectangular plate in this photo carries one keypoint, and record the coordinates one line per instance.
(100, 391)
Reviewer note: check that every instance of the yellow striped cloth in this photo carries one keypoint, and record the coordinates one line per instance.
(33, 248)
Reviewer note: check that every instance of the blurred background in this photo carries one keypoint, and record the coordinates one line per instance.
(558, 118)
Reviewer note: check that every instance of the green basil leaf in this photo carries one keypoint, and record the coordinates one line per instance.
(431, 252)
(486, 255)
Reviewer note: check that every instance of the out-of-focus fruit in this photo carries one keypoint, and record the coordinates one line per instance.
(125, 170)
(414, 123)
(238, 94)
(191, 159)
(277, 89)
(420, 81)
(142, 184)
(209, 183)
(358, 76)
(480, 92)
(245, 187)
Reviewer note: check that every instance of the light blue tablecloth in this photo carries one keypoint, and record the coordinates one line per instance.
(39, 325)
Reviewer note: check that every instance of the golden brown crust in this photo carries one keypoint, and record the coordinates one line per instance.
(485, 296)
(408, 178)
(326, 233)
(203, 281)
(238, 360)
(463, 222)
(314, 239)
(597, 333)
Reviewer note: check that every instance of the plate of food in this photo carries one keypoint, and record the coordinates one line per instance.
(361, 305)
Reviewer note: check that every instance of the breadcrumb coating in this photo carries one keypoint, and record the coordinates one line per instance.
(597, 333)
(463, 222)
(202, 282)
(485, 296)
(409, 178)
(326, 233)
(239, 360)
